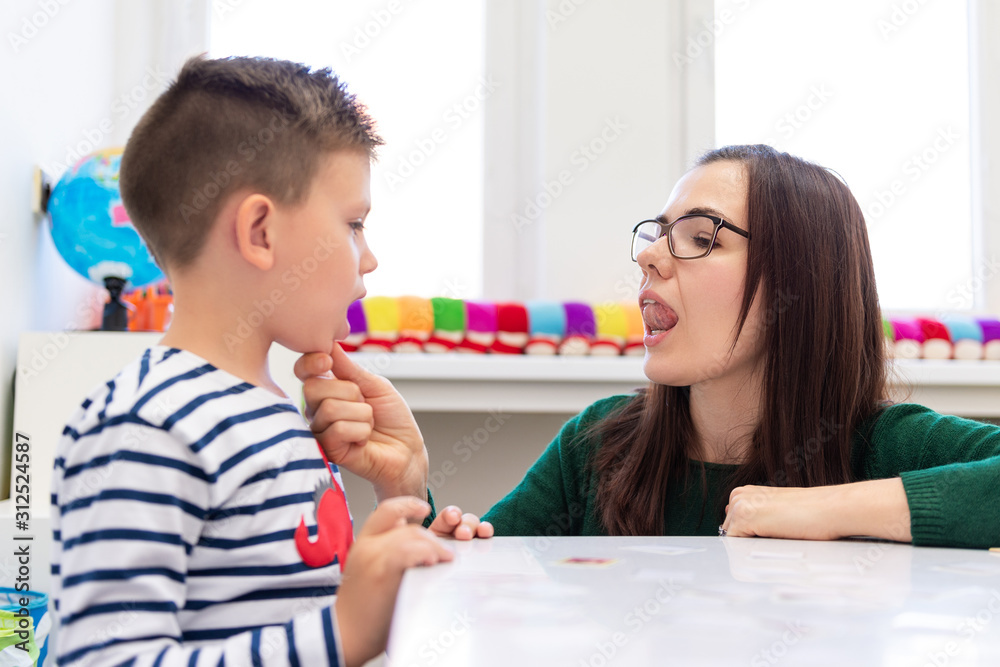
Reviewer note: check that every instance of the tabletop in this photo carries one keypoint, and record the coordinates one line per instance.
(592, 602)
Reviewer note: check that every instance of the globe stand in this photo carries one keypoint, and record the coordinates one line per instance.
(115, 310)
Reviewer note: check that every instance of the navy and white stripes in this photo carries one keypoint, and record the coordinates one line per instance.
(177, 491)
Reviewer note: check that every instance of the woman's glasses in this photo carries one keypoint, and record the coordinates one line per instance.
(688, 237)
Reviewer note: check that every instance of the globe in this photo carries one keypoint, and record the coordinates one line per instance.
(90, 227)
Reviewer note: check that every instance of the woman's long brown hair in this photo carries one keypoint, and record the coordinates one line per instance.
(809, 264)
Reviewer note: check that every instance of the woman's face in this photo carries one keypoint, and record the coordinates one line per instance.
(691, 306)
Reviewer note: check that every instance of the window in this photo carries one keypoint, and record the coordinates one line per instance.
(420, 69)
(879, 91)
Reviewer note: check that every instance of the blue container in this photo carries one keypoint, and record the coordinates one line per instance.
(38, 609)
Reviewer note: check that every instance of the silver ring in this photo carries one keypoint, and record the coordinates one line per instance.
(722, 531)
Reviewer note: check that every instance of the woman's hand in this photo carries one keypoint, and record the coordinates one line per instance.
(876, 508)
(363, 424)
(450, 522)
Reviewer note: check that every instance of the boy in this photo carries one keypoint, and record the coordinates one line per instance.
(197, 520)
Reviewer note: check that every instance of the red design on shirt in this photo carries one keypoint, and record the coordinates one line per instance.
(334, 532)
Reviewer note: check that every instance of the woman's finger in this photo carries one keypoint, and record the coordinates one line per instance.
(333, 410)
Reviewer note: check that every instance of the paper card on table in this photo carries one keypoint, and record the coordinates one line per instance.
(587, 561)
(664, 550)
(809, 594)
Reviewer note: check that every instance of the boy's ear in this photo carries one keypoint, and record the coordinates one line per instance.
(255, 229)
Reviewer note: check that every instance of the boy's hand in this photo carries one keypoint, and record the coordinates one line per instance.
(390, 542)
(363, 424)
(450, 522)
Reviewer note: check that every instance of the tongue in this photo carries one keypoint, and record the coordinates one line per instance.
(658, 317)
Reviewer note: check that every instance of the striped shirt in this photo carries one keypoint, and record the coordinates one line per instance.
(177, 492)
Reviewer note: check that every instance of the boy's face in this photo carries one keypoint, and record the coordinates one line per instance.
(321, 256)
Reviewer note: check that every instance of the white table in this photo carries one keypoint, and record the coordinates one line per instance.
(700, 601)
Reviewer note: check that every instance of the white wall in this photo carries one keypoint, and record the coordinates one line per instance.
(597, 125)
(581, 62)
(611, 131)
(62, 88)
(985, 66)
(78, 76)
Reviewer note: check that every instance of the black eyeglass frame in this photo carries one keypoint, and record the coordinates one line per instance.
(665, 228)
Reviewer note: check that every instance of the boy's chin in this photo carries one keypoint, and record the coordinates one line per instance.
(308, 345)
(341, 333)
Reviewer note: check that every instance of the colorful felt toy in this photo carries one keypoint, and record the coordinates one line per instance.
(449, 324)
(359, 327)
(416, 322)
(546, 325)
(890, 337)
(991, 337)
(480, 327)
(950, 337)
(382, 316)
(612, 329)
(512, 329)
(937, 340)
(580, 329)
(909, 338)
(440, 324)
(636, 332)
(966, 337)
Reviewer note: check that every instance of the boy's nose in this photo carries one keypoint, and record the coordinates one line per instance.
(368, 262)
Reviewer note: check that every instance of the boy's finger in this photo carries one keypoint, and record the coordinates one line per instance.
(422, 548)
(345, 369)
(395, 512)
(312, 364)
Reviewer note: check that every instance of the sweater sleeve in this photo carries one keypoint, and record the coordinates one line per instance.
(123, 532)
(950, 469)
(551, 499)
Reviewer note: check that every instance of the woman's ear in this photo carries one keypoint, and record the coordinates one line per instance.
(255, 230)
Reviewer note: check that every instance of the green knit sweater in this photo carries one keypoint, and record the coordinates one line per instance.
(950, 469)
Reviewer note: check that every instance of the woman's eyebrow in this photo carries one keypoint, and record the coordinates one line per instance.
(697, 210)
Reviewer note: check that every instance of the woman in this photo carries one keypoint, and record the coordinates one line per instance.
(766, 413)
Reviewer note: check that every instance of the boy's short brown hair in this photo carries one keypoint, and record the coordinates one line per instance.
(228, 124)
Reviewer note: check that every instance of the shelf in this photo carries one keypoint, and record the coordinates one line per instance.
(473, 383)
(456, 382)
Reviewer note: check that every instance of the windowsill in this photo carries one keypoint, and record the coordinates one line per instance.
(481, 383)
(471, 383)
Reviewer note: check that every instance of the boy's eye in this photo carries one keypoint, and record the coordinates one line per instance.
(357, 226)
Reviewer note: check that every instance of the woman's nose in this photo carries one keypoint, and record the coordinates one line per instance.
(656, 258)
